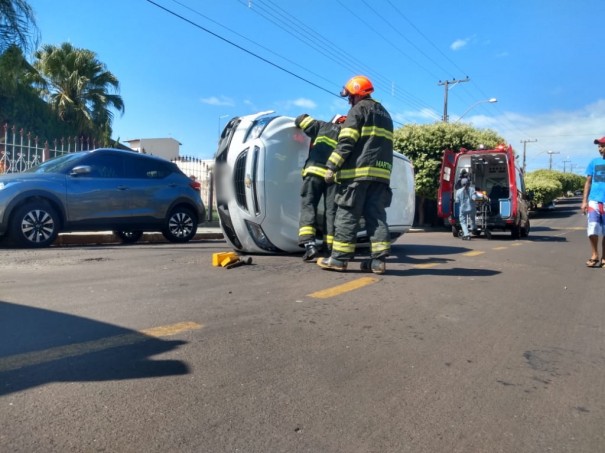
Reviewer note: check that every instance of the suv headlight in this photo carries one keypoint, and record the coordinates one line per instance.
(258, 127)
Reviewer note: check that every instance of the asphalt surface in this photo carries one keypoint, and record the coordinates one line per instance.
(462, 346)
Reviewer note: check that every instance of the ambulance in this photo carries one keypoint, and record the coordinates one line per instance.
(503, 204)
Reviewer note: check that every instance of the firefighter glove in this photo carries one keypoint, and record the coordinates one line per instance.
(329, 176)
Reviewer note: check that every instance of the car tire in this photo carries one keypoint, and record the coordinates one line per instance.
(128, 237)
(525, 230)
(515, 231)
(181, 225)
(34, 225)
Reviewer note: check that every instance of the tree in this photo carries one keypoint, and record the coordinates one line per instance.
(20, 103)
(79, 88)
(424, 146)
(17, 25)
(547, 185)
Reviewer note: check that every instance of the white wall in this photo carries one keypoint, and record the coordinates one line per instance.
(168, 148)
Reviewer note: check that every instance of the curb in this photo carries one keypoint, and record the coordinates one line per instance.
(107, 237)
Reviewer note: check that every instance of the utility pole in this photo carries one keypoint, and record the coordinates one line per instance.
(565, 166)
(447, 85)
(550, 153)
(525, 142)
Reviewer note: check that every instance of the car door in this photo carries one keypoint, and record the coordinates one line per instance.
(98, 196)
(154, 186)
(446, 184)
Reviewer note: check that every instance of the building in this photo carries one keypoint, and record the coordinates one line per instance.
(168, 148)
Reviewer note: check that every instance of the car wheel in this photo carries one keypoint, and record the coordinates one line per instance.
(34, 225)
(525, 230)
(128, 237)
(181, 225)
(515, 231)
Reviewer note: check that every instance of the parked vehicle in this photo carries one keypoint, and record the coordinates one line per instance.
(258, 181)
(102, 189)
(495, 173)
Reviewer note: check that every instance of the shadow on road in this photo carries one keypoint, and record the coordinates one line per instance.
(565, 207)
(40, 346)
(454, 272)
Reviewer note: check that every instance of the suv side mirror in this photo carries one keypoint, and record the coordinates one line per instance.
(80, 170)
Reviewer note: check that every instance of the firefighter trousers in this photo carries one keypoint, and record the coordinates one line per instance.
(313, 189)
(367, 199)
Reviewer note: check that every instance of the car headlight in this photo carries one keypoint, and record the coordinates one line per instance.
(258, 127)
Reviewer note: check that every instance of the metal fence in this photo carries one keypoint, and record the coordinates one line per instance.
(21, 150)
(202, 171)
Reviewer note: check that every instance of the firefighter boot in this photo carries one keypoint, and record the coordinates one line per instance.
(375, 265)
(332, 264)
(311, 252)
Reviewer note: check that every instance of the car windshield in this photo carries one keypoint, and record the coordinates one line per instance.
(56, 165)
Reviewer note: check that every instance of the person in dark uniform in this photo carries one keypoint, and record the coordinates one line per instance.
(324, 136)
(361, 163)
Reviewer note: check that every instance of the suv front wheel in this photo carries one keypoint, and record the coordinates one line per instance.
(34, 225)
(181, 225)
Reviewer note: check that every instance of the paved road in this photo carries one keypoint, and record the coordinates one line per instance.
(480, 346)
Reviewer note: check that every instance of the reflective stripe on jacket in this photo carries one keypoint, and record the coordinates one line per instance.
(324, 137)
(365, 144)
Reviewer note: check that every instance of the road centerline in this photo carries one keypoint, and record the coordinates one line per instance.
(344, 288)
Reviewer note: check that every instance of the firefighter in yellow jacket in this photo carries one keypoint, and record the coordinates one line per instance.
(324, 136)
(361, 162)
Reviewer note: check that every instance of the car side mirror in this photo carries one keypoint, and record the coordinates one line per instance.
(80, 170)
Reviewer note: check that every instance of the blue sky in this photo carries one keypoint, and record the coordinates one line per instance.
(184, 77)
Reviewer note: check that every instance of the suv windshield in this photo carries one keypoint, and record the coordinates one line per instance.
(56, 165)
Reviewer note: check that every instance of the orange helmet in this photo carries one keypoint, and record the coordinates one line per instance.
(358, 85)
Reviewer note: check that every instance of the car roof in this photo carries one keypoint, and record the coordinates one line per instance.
(122, 151)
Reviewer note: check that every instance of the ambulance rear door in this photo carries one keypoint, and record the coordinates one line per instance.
(446, 184)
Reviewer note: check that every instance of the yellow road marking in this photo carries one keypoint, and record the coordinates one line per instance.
(426, 266)
(61, 352)
(473, 253)
(344, 288)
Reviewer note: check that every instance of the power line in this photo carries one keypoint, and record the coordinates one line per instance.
(241, 48)
(336, 54)
(250, 40)
(424, 36)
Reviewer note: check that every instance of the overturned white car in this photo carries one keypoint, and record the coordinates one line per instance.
(258, 180)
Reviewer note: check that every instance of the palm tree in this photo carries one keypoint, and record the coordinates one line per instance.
(77, 86)
(17, 25)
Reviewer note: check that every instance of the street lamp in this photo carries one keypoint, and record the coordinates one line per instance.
(490, 100)
(219, 123)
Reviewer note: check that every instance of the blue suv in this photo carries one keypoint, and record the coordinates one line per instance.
(102, 189)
